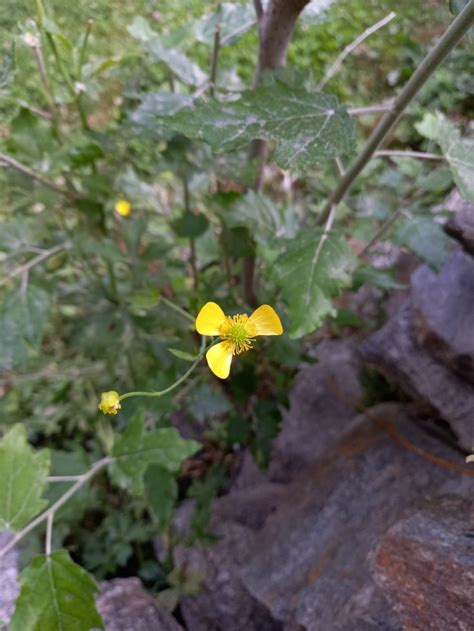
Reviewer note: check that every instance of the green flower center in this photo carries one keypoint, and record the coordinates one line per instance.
(239, 333)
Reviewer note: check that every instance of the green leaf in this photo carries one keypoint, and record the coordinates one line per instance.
(135, 449)
(156, 104)
(314, 270)
(56, 594)
(23, 317)
(23, 476)
(425, 238)
(190, 225)
(459, 152)
(233, 20)
(267, 221)
(7, 66)
(178, 62)
(161, 491)
(308, 128)
(206, 401)
(189, 357)
(367, 275)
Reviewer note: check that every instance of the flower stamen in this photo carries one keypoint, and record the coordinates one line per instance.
(238, 333)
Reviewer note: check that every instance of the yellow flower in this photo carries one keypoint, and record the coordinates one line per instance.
(238, 332)
(109, 402)
(123, 207)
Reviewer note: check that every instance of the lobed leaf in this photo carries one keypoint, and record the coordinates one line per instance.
(313, 271)
(135, 449)
(308, 128)
(23, 475)
(56, 594)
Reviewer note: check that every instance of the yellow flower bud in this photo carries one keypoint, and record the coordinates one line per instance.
(123, 207)
(110, 402)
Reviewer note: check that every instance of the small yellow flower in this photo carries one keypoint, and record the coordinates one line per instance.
(123, 207)
(109, 402)
(238, 332)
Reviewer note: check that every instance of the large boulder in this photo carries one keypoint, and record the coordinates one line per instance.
(126, 606)
(425, 567)
(444, 312)
(9, 587)
(322, 404)
(427, 347)
(309, 563)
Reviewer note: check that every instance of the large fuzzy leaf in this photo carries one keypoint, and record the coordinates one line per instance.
(23, 476)
(56, 595)
(308, 128)
(135, 449)
(314, 269)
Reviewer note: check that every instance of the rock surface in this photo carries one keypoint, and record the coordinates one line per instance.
(317, 417)
(444, 312)
(461, 225)
(126, 606)
(309, 563)
(427, 347)
(223, 604)
(9, 587)
(425, 566)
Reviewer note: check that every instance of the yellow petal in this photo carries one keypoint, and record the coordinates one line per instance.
(209, 319)
(266, 321)
(219, 359)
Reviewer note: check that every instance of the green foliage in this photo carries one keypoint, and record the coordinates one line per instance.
(308, 128)
(458, 151)
(426, 238)
(23, 316)
(313, 270)
(137, 448)
(23, 474)
(161, 492)
(120, 116)
(56, 594)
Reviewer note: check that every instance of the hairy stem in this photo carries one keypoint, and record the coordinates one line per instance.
(435, 57)
(22, 168)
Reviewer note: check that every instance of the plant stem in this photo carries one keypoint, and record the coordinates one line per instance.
(49, 533)
(215, 59)
(35, 261)
(407, 154)
(435, 57)
(160, 393)
(178, 309)
(100, 464)
(22, 168)
(351, 47)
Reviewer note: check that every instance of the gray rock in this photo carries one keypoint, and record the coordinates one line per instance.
(395, 351)
(9, 587)
(425, 566)
(309, 563)
(321, 409)
(223, 604)
(126, 606)
(461, 225)
(444, 309)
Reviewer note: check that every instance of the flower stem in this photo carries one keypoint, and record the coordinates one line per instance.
(160, 393)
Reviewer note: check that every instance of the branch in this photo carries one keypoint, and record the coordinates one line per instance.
(49, 513)
(371, 109)
(382, 230)
(407, 154)
(351, 47)
(435, 57)
(215, 59)
(22, 168)
(34, 261)
(259, 12)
